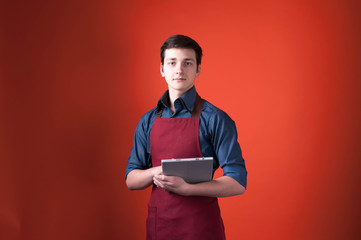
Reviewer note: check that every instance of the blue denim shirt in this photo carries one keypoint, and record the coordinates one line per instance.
(217, 136)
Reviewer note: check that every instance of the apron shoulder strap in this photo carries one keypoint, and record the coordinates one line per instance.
(159, 113)
(198, 105)
(197, 110)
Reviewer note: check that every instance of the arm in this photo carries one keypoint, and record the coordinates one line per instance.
(139, 172)
(221, 187)
(139, 179)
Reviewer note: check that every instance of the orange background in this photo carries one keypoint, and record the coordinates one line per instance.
(76, 76)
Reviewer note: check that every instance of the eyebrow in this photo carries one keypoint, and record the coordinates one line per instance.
(186, 59)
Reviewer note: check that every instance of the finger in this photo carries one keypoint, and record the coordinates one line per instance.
(165, 178)
(158, 183)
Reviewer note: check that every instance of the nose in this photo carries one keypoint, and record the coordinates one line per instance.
(179, 68)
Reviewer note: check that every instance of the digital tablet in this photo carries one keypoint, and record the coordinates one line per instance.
(192, 170)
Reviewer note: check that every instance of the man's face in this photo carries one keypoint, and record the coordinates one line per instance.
(180, 69)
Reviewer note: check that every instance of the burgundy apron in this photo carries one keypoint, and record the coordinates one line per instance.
(171, 216)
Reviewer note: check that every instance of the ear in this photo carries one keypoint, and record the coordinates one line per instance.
(198, 70)
(161, 70)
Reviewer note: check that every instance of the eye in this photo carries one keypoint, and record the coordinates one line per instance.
(171, 63)
(188, 63)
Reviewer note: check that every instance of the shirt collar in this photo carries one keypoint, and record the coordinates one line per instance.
(188, 99)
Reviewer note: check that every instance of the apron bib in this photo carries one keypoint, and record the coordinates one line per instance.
(171, 216)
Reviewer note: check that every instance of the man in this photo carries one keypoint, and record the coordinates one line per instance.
(182, 126)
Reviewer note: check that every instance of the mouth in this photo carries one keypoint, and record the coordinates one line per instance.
(179, 79)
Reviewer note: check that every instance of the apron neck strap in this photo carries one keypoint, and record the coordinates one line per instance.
(197, 109)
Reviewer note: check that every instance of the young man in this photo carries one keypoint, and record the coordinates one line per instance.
(182, 126)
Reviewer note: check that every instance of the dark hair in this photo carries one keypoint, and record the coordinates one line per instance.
(181, 41)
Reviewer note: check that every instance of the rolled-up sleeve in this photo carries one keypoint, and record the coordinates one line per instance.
(226, 147)
(139, 155)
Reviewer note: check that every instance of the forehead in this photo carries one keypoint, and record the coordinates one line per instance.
(180, 53)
